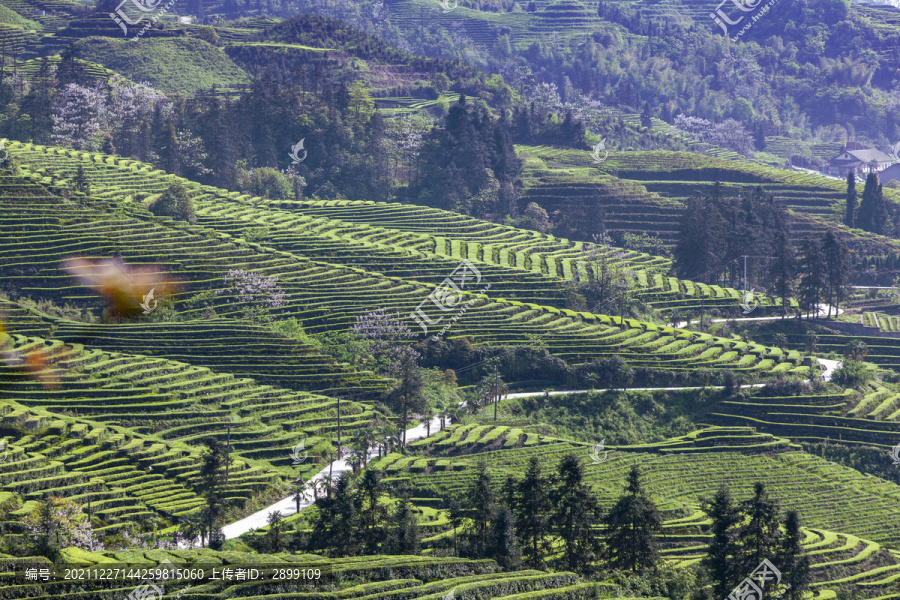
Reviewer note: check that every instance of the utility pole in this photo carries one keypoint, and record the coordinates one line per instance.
(228, 452)
(340, 453)
(300, 485)
(702, 308)
(496, 392)
(89, 524)
(744, 296)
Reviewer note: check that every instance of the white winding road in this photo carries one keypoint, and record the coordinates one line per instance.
(288, 506)
(821, 312)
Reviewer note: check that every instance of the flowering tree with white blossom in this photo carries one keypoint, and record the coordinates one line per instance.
(57, 523)
(259, 294)
(78, 116)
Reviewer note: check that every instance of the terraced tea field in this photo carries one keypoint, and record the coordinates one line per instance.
(178, 401)
(645, 191)
(826, 495)
(326, 295)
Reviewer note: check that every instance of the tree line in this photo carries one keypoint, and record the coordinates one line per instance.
(717, 230)
(553, 521)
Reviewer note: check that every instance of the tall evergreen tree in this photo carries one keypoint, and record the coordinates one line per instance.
(403, 530)
(784, 270)
(631, 527)
(213, 463)
(372, 513)
(850, 213)
(504, 547)
(791, 559)
(406, 396)
(873, 212)
(837, 270)
(532, 510)
(720, 561)
(701, 236)
(759, 533)
(575, 515)
(812, 275)
(337, 524)
(481, 509)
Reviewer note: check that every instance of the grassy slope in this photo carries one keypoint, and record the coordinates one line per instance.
(180, 65)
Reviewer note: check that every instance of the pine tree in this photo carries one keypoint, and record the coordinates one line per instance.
(722, 551)
(760, 533)
(784, 270)
(791, 558)
(504, 547)
(575, 513)
(850, 214)
(337, 524)
(482, 509)
(813, 278)
(406, 396)
(372, 513)
(837, 270)
(631, 526)
(403, 536)
(701, 236)
(873, 211)
(213, 463)
(532, 510)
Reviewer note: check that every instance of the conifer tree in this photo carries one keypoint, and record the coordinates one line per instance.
(532, 510)
(791, 559)
(213, 463)
(720, 560)
(784, 270)
(701, 236)
(837, 270)
(372, 513)
(759, 534)
(575, 514)
(812, 275)
(631, 526)
(337, 525)
(482, 507)
(403, 536)
(873, 211)
(504, 547)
